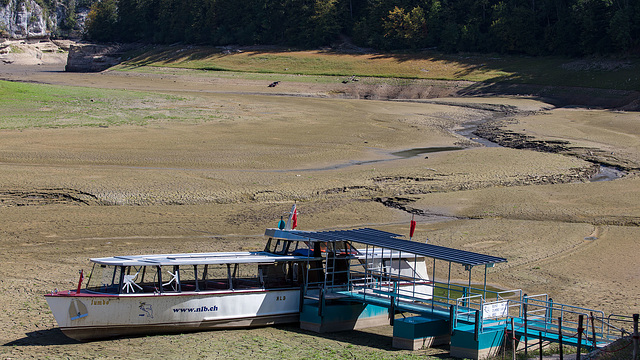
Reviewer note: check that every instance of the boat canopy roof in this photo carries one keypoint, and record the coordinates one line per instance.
(197, 259)
(390, 241)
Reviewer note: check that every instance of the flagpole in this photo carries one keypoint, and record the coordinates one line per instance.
(291, 221)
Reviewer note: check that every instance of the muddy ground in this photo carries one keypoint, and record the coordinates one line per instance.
(69, 194)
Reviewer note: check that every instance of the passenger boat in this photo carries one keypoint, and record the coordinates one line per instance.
(172, 293)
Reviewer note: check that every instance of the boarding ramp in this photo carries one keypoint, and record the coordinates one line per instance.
(531, 318)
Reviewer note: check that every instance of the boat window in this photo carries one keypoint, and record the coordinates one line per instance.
(170, 278)
(131, 280)
(188, 277)
(273, 246)
(246, 276)
(213, 277)
(280, 275)
(140, 279)
(344, 248)
(282, 248)
(104, 279)
(302, 249)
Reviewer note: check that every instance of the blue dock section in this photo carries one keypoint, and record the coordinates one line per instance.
(365, 277)
(472, 334)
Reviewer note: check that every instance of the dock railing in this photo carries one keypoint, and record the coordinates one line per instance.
(534, 315)
(619, 326)
(540, 315)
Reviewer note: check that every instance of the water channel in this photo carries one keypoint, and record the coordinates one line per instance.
(606, 173)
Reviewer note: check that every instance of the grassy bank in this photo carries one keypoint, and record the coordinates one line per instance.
(606, 73)
(28, 105)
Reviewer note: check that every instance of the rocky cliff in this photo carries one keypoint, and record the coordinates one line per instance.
(22, 19)
(27, 19)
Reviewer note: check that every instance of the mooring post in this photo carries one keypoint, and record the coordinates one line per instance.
(526, 341)
(505, 340)
(452, 318)
(549, 314)
(593, 330)
(560, 337)
(635, 337)
(392, 308)
(580, 330)
(476, 329)
(540, 335)
(513, 340)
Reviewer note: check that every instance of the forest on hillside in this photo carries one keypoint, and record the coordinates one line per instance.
(531, 27)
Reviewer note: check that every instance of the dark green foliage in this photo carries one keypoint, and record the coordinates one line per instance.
(101, 23)
(532, 27)
(69, 20)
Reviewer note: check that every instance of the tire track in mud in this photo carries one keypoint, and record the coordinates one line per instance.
(556, 254)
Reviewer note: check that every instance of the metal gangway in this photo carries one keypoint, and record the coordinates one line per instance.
(535, 317)
(379, 268)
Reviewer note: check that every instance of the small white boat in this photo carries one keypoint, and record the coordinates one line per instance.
(170, 293)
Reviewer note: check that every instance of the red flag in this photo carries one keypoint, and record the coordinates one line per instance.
(294, 219)
(80, 281)
(412, 229)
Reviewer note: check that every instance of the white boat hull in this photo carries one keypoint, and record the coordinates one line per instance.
(93, 316)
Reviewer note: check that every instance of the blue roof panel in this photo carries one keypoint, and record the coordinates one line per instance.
(391, 241)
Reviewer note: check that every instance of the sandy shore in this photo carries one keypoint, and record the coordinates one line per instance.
(68, 194)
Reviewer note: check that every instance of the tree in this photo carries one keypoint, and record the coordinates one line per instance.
(101, 23)
(69, 20)
(406, 29)
(325, 21)
(592, 17)
(620, 30)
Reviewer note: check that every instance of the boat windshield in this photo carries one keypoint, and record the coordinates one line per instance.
(288, 247)
(104, 279)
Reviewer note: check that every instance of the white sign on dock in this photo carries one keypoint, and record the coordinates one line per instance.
(495, 310)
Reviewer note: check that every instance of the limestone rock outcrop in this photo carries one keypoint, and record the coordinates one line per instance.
(93, 58)
(33, 52)
(25, 19)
